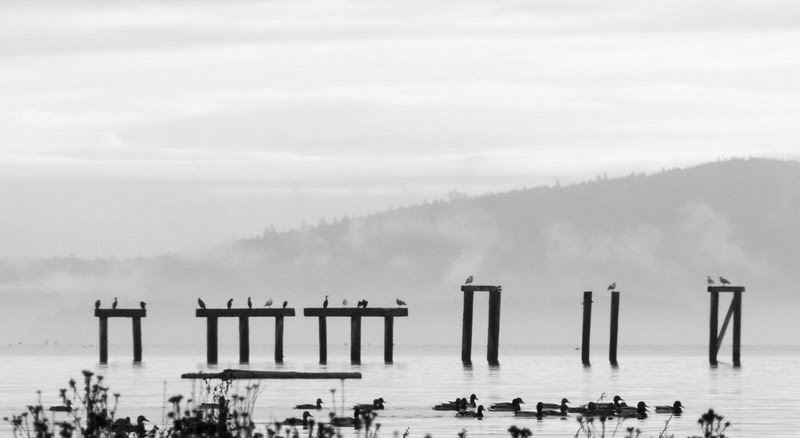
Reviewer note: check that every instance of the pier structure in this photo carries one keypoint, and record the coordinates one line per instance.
(614, 329)
(136, 316)
(587, 327)
(355, 314)
(244, 315)
(735, 311)
(494, 323)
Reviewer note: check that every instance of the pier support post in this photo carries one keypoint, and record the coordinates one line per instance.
(355, 340)
(244, 339)
(279, 339)
(103, 340)
(466, 329)
(211, 340)
(493, 343)
(323, 340)
(137, 339)
(388, 339)
(612, 343)
(737, 327)
(713, 325)
(587, 327)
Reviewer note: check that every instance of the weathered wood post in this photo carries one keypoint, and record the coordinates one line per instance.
(388, 339)
(355, 340)
(735, 311)
(103, 339)
(493, 343)
(587, 327)
(279, 339)
(612, 343)
(212, 345)
(323, 340)
(137, 339)
(135, 315)
(244, 339)
(466, 329)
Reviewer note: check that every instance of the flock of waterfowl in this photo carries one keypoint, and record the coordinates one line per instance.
(467, 407)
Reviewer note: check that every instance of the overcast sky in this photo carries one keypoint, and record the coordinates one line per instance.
(134, 128)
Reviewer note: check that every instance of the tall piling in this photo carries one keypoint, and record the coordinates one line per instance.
(713, 326)
(587, 327)
(737, 328)
(466, 328)
(278, 339)
(211, 340)
(137, 339)
(103, 340)
(388, 339)
(612, 342)
(493, 343)
(323, 340)
(355, 340)
(244, 339)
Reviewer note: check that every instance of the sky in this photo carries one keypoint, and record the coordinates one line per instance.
(137, 128)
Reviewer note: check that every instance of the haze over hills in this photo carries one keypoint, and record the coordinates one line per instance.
(657, 236)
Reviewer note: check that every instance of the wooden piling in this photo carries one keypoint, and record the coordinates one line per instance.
(493, 342)
(103, 340)
(713, 325)
(355, 340)
(279, 339)
(137, 339)
(323, 340)
(587, 327)
(211, 340)
(244, 339)
(612, 343)
(737, 328)
(388, 339)
(466, 329)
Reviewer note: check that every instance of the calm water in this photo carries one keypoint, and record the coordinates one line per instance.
(761, 398)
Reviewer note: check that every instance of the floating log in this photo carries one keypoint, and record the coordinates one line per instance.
(254, 374)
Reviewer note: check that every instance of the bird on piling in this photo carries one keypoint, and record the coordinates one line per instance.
(97, 304)
(114, 305)
(344, 302)
(317, 405)
(360, 304)
(249, 303)
(676, 408)
(325, 303)
(710, 280)
(268, 303)
(230, 303)
(142, 304)
(471, 414)
(468, 280)
(201, 303)
(612, 286)
(400, 302)
(365, 303)
(294, 421)
(723, 280)
(285, 303)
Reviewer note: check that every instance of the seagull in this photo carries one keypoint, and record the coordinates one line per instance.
(710, 280)
(325, 303)
(400, 302)
(97, 304)
(268, 303)
(344, 302)
(142, 304)
(114, 306)
(612, 286)
(723, 280)
(469, 280)
(201, 303)
(249, 303)
(230, 303)
(285, 303)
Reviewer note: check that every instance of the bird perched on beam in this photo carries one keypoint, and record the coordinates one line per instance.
(723, 280)
(97, 304)
(612, 286)
(201, 303)
(285, 303)
(230, 303)
(268, 303)
(344, 302)
(468, 280)
(325, 303)
(114, 306)
(400, 302)
(142, 304)
(710, 280)
(249, 303)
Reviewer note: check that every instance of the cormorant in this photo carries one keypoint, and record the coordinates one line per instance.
(97, 304)
(230, 303)
(142, 304)
(469, 280)
(325, 303)
(249, 303)
(365, 303)
(114, 306)
(201, 303)
(400, 302)
(285, 303)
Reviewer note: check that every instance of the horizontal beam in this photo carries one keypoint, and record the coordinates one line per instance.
(120, 313)
(480, 288)
(726, 288)
(253, 313)
(253, 374)
(355, 311)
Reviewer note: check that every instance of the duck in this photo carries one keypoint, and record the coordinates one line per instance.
(471, 414)
(376, 404)
(471, 403)
(353, 421)
(676, 408)
(457, 405)
(563, 404)
(507, 406)
(317, 405)
(640, 411)
(560, 412)
(615, 405)
(294, 421)
(521, 413)
(124, 425)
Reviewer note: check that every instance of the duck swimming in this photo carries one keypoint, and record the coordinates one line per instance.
(317, 406)
(676, 408)
(507, 406)
(471, 414)
(294, 421)
(459, 404)
(563, 404)
(640, 411)
(353, 421)
(376, 404)
(616, 405)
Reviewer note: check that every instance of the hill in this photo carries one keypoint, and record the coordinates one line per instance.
(657, 236)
